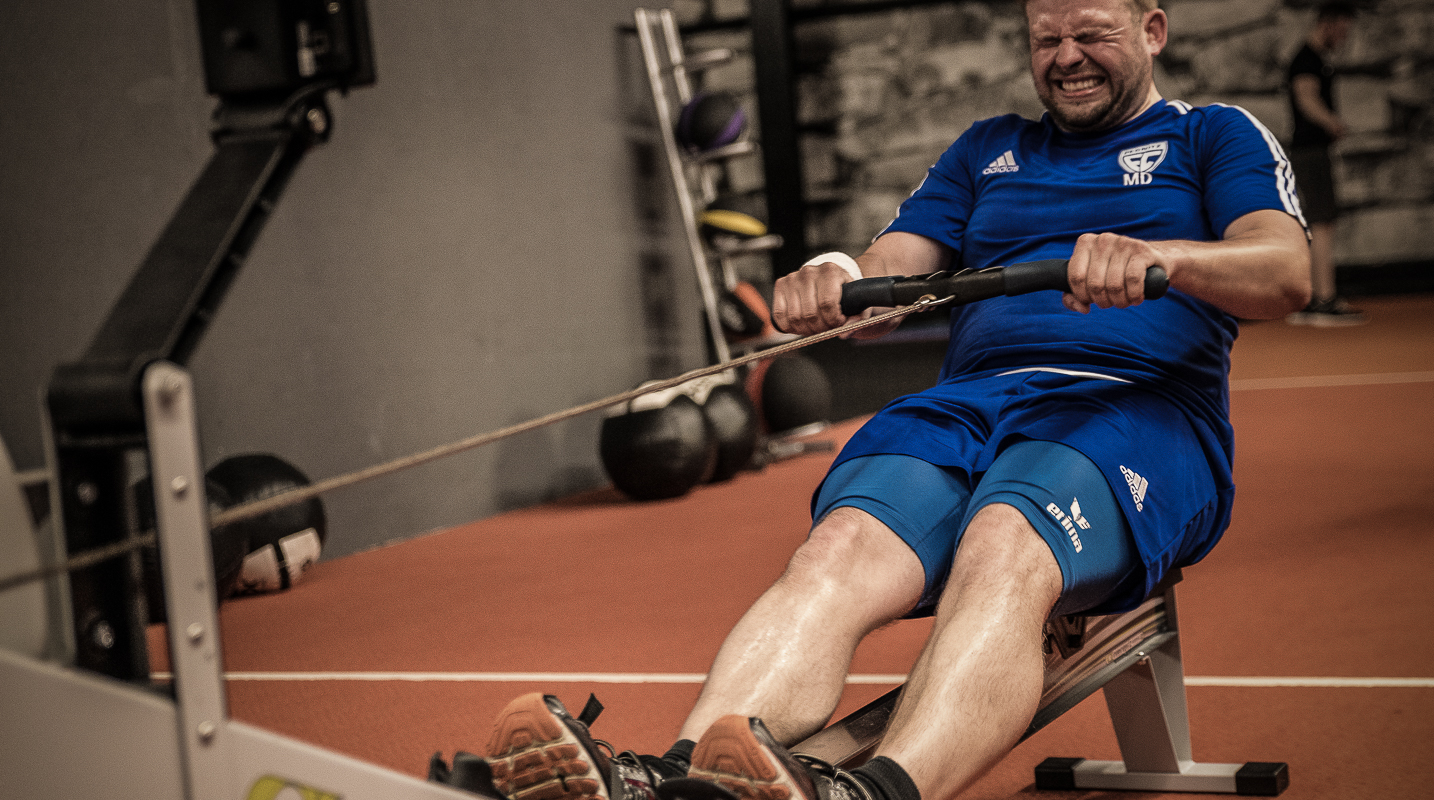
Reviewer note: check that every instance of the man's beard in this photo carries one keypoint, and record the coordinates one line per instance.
(1085, 119)
(1115, 109)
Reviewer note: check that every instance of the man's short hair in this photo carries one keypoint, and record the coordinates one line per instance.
(1335, 9)
(1137, 7)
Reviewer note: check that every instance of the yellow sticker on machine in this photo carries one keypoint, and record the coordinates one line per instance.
(270, 787)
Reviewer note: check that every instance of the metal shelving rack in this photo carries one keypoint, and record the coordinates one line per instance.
(694, 176)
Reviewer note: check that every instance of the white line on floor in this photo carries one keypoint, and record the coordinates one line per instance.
(696, 678)
(1317, 381)
(505, 677)
(1339, 683)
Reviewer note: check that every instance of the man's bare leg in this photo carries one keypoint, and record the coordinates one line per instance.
(977, 684)
(786, 661)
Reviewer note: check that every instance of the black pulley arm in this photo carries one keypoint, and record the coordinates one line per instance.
(968, 287)
(94, 404)
(169, 302)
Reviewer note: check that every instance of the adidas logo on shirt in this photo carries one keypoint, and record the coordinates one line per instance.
(1138, 485)
(1006, 163)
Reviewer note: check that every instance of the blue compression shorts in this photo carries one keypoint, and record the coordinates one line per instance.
(1059, 491)
(1166, 468)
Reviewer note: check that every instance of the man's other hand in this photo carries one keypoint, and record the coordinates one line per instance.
(1108, 270)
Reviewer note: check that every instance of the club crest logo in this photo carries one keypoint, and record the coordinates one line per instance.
(1139, 162)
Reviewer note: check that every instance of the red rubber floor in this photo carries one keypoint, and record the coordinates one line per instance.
(1324, 574)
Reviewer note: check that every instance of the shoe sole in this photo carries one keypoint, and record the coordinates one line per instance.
(730, 756)
(535, 757)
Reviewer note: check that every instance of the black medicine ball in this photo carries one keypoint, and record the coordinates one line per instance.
(734, 424)
(282, 543)
(658, 453)
(792, 392)
(710, 120)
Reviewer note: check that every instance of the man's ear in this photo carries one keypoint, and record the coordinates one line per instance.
(1156, 27)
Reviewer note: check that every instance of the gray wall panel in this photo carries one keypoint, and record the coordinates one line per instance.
(462, 255)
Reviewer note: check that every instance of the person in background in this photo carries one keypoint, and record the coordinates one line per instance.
(1317, 127)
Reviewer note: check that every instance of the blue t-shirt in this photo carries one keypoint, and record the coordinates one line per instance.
(1013, 190)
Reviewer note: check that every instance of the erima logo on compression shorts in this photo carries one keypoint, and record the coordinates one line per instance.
(1070, 522)
(1137, 484)
(1139, 162)
(1006, 163)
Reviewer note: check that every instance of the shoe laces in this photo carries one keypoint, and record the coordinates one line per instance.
(839, 784)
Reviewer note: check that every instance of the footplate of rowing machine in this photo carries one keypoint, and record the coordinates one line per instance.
(1135, 658)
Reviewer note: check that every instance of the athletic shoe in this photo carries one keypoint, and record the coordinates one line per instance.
(1332, 313)
(740, 756)
(540, 752)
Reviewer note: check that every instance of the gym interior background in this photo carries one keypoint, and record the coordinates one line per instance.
(489, 235)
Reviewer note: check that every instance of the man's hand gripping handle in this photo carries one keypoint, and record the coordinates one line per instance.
(968, 287)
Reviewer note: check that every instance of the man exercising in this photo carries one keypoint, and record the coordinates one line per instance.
(1075, 449)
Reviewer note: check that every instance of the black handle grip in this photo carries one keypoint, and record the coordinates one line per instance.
(857, 296)
(1033, 276)
(1023, 278)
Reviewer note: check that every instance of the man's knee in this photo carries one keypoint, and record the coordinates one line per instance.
(851, 551)
(1001, 546)
(845, 541)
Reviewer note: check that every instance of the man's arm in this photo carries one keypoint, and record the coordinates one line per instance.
(1260, 270)
(809, 300)
(1305, 88)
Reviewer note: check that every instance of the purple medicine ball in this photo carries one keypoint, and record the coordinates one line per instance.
(710, 120)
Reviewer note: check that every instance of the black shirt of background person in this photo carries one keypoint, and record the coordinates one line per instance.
(1307, 133)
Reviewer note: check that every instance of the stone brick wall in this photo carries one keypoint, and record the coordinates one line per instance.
(881, 95)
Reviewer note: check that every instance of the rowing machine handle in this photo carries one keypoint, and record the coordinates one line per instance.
(1030, 276)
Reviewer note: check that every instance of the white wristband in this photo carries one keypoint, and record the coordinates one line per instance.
(842, 260)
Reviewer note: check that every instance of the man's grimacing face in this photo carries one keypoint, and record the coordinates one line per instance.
(1092, 60)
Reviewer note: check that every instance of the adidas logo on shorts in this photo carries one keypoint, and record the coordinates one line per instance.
(1138, 485)
(1006, 163)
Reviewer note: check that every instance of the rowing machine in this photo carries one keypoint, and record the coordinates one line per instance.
(73, 732)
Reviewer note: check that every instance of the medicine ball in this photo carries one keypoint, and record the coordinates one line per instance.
(227, 546)
(655, 453)
(282, 543)
(790, 392)
(740, 317)
(710, 120)
(732, 215)
(734, 424)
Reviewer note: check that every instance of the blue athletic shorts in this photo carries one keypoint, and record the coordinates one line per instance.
(1168, 471)
(1058, 490)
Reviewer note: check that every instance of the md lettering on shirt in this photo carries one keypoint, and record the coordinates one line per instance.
(1140, 162)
